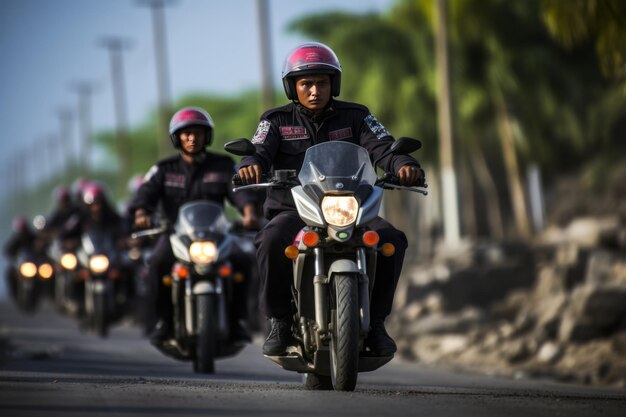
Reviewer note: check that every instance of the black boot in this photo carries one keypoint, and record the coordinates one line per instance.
(378, 341)
(279, 337)
(162, 332)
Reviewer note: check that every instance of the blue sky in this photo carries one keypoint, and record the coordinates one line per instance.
(46, 45)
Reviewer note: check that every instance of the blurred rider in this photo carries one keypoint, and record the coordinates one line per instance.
(22, 238)
(193, 174)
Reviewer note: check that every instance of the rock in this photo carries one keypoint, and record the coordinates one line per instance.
(549, 353)
(452, 343)
(587, 231)
(516, 351)
(593, 312)
(449, 323)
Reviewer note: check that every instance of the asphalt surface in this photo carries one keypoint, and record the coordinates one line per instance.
(50, 368)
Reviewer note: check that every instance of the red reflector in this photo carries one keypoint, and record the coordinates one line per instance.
(370, 238)
(225, 271)
(310, 239)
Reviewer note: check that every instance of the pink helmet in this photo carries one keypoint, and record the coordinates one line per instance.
(190, 116)
(20, 224)
(311, 58)
(61, 194)
(93, 192)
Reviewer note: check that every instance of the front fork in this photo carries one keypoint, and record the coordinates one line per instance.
(204, 287)
(321, 290)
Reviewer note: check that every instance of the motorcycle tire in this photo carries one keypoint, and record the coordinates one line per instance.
(344, 343)
(27, 297)
(204, 360)
(99, 315)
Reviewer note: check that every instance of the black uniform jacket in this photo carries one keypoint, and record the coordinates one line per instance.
(173, 182)
(285, 133)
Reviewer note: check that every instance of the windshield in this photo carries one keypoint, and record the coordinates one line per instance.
(97, 241)
(201, 217)
(337, 167)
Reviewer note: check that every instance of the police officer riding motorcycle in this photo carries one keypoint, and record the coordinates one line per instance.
(311, 78)
(195, 174)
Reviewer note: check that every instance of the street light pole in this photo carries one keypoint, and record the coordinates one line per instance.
(84, 90)
(267, 88)
(115, 46)
(163, 83)
(65, 136)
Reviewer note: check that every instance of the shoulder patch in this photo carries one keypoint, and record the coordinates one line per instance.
(376, 127)
(261, 132)
(151, 173)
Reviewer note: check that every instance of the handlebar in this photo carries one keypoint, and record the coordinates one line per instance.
(284, 178)
(288, 179)
(149, 232)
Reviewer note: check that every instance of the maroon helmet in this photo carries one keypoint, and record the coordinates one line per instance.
(94, 192)
(190, 116)
(61, 194)
(311, 58)
(20, 224)
(77, 188)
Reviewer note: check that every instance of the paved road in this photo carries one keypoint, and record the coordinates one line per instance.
(51, 369)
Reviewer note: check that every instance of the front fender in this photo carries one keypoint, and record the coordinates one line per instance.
(204, 287)
(343, 266)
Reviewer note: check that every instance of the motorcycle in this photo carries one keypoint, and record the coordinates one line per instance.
(137, 256)
(334, 257)
(33, 275)
(66, 295)
(201, 281)
(106, 280)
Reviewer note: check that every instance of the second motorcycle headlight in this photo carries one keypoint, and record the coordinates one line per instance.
(69, 261)
(340, 210)
(28, 269)
(99, 263)
(203, 252)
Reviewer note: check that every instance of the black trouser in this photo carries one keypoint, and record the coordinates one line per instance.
(160, 264)
(276, 270)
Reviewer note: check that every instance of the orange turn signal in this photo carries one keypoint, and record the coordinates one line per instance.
(388, 249)
(167, 280)
(370, 238)
(114, 274)
(225, 271)
(291, 252)
(239, 277)
(182, 272)
(310, 239)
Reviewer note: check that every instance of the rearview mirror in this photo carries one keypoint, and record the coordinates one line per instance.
(402, 146)
(240, 147)
(405, 146)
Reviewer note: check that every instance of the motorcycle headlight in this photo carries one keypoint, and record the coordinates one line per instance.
(28, 269)
(340, 210)
(98, 263)
(203, 253)
(45, 271)
(68, 261)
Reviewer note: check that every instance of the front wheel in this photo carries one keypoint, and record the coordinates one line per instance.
(344, 343)
(100, 314)
(204, 362)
